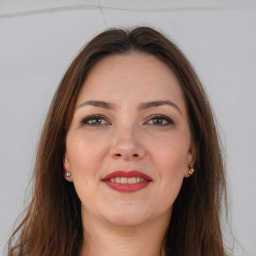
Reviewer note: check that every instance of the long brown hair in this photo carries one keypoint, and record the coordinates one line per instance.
(52, 224)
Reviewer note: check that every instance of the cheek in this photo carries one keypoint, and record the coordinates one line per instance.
(84, 154)
(171, 153)
(85, 158)
(170, 176)
(169, 157)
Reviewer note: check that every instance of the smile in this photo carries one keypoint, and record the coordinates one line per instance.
(123, 181)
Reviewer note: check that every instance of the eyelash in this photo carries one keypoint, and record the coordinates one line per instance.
(168, 120)
(87, 120)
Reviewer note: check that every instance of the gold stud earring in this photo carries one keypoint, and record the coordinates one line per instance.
(191, 169)
(67, 174)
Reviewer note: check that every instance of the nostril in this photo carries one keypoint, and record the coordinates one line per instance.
(133, 155)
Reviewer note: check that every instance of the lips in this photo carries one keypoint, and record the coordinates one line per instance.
(124, 181)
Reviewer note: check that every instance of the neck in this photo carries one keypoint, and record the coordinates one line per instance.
(104, 239)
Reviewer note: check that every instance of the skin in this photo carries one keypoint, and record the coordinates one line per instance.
(128, 137)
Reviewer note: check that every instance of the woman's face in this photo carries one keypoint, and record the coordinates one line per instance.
(129, 145)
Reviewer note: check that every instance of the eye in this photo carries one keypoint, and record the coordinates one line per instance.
(160, 120)
(94, 120)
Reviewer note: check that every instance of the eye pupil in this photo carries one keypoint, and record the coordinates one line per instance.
(157, 121)
(160, 121)
(96, 121)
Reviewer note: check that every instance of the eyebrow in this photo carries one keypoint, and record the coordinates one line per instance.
(142, 106)
(158, 103)
(96, 103)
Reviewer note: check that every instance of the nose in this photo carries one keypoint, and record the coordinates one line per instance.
(126, 146)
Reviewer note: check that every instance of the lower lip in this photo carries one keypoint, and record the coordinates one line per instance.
(128, 188)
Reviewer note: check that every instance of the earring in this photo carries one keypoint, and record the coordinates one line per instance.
(67, 174)
(191, 169)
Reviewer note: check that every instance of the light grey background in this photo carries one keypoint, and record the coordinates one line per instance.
(38, 40)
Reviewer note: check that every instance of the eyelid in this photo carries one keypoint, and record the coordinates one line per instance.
(161, 116)
(85, 120)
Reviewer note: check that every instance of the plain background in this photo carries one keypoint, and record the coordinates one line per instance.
(38, 40)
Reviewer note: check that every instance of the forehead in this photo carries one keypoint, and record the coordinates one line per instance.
(131, 77)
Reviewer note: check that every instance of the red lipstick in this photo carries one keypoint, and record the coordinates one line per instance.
(124, 181)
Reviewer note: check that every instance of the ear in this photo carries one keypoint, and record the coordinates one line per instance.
(191, 158)
(67, 167)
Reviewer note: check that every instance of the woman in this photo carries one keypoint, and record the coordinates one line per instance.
(129, 161)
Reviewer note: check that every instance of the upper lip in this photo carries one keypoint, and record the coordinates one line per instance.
(127, 174)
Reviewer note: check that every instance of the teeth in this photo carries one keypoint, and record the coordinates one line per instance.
(125, 180)
(132, 180)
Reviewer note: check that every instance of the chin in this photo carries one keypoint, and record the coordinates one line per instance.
(128, 215)
(126, 220)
